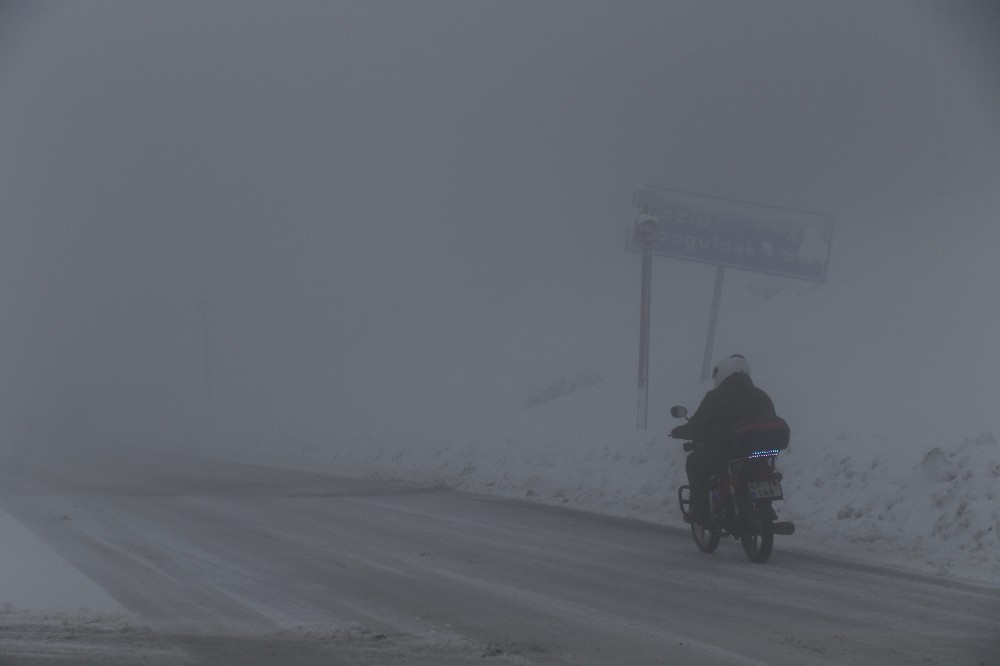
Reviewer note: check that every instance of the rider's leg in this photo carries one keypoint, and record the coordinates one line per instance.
(698, 466)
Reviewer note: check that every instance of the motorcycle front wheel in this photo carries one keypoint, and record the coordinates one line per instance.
(706, 539)
(758, 533)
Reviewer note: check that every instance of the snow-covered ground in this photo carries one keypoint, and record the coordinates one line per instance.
(224, 563)
(939, 515)
(39, 588)
(34, 577)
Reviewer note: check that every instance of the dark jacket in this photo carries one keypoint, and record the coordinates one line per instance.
(734, 399)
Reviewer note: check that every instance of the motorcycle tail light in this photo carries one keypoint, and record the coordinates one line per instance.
(765, 454)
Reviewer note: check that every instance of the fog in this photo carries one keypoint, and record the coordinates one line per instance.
(311, 221)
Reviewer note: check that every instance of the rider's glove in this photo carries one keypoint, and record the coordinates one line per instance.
(676, 432)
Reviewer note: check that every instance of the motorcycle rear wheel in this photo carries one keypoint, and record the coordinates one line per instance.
(758, 535)
(706, 539)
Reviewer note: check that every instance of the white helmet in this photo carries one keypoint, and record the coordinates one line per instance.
(730, 366)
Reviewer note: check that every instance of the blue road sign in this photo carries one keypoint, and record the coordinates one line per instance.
(736, 234)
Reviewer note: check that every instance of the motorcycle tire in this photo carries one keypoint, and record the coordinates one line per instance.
(758, 533)
(706, 539)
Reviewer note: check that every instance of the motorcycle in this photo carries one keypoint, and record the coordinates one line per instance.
(741, 495)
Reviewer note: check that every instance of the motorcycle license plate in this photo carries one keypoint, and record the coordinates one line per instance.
(769, 489)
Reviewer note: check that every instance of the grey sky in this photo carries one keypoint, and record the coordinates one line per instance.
(352, 186)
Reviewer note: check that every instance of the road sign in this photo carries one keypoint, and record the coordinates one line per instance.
(736, 234)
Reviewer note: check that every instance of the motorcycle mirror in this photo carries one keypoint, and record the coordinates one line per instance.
(678, 412)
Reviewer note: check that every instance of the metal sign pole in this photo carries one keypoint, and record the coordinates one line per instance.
(713, 318)
(644, 306)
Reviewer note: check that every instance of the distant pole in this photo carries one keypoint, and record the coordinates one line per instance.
(647, 229)
(713, 318)
(206, 351)
(206, 359)
(644, 306)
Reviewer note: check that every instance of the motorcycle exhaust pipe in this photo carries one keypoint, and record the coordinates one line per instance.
(786, 528)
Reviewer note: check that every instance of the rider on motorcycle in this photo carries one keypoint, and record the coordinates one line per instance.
(734, 397)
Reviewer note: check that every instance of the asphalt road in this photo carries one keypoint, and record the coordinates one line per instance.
(221, 563)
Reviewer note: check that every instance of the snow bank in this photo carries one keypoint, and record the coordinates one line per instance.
(938, 515)
(34, 577)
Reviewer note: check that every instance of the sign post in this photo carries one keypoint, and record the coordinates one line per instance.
(727, 234)
(713, 319)
(646, 230)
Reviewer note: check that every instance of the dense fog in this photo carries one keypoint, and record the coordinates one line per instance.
(236, 221)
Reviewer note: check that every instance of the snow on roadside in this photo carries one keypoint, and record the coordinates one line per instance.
(40, 580)
(938, 515)
(80, 637)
